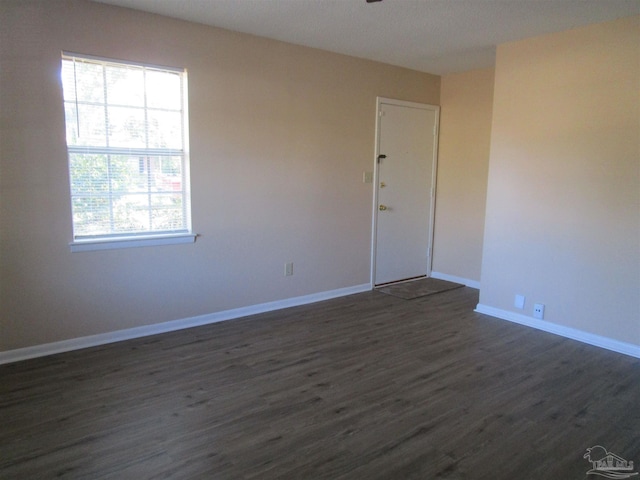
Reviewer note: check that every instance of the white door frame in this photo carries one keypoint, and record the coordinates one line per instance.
(374, 224)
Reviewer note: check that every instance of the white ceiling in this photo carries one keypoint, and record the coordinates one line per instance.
(435, 36)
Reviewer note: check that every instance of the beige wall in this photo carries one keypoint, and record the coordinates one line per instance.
(280, 137)
(563, 201)
(463, 160)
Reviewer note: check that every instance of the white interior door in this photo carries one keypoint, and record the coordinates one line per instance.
(405, 175)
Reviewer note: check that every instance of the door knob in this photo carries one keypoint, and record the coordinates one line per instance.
(382, 208)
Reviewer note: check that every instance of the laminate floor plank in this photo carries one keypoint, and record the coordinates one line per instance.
(367, 386)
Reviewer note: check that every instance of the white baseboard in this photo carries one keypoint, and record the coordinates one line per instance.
(452, 278)
(19, 354)
(567, 332)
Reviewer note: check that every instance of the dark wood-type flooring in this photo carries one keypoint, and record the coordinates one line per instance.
(363, 387)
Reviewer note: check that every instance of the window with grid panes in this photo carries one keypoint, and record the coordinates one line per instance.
(126, 131)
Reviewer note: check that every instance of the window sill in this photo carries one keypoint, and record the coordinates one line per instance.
(131, 242)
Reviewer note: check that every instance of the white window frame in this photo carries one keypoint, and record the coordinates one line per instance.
(103, 241)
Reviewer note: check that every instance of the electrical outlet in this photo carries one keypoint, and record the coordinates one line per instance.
(538, 311)
(288, 269)
(518, 302)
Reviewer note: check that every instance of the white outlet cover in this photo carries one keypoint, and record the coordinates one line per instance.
(519, 301)
(538, 311)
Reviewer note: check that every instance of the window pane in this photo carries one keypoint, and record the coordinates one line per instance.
(85, 125)
(71, 120)
(91, 215)
(82, 82)
(167, 212)
(172, 167)
(164, 90)
(131, 213)
(125, 86)
(129, 174)
(127, 127)
(172, 175)
(89, 174)
(165, 174)
(165, 129)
